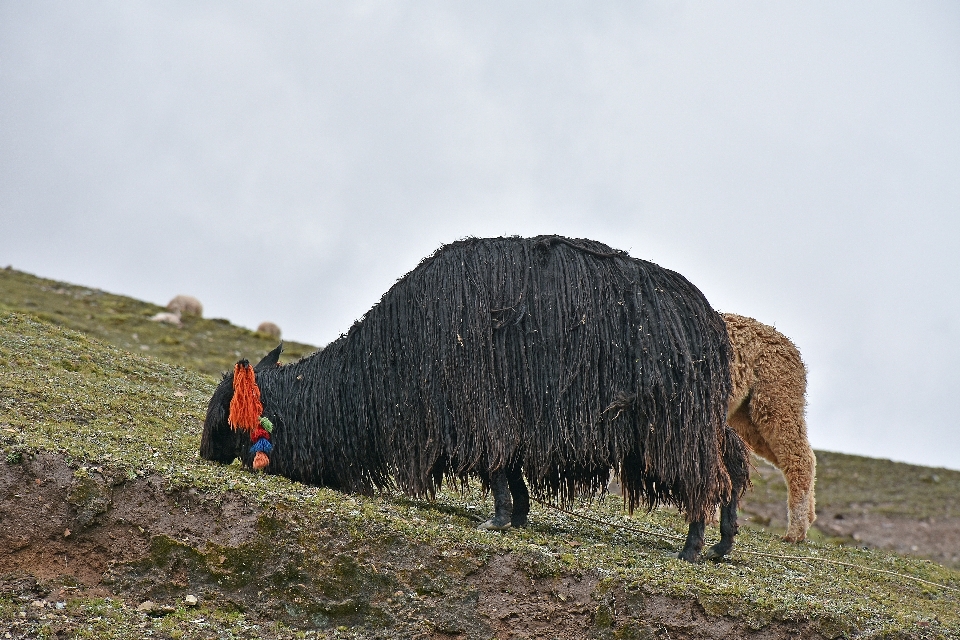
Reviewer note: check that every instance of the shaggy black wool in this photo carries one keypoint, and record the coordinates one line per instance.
(564, 355)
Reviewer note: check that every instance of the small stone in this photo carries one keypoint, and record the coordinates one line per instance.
(66, 533)
(153, 609)
(61, 606)
(191, 600)
(37, 603)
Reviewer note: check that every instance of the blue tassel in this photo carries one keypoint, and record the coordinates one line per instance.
(262, 445)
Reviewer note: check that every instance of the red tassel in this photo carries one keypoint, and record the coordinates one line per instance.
(258, 433)
(260, 461)
(245, 407)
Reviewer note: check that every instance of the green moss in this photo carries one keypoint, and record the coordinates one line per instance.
(209, 346)
(165, 551)
(88, 496)
(603, 616)
(633, 630)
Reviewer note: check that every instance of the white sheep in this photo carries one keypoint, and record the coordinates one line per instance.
(168, 318)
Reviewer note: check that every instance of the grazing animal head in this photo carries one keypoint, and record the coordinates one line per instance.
(221, 442)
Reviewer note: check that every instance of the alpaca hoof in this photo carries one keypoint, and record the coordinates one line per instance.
(495, 524)
(715, 553)
(518, 522)
(794, 538)
(687, 556)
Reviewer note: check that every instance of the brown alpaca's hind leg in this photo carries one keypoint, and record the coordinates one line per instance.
(780, 438)
(799, 473)
(783, 431)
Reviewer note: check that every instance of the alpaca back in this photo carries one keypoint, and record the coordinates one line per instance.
(766, 368)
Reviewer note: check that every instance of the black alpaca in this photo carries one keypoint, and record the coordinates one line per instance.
(521, 361)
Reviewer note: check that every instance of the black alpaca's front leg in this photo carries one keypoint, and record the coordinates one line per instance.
(502, 503)
(695, 540)
(728, 530)
(521, 497)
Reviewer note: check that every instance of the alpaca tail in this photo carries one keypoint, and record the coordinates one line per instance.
(736, 459)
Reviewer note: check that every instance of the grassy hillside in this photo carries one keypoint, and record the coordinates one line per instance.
(861, 500)
(206, 345)
(910, 509)
(104, 504)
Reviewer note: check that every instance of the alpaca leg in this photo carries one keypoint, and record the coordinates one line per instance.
(521, 497)
(776, 412)
(801, 510)
(502, 503)
(695, 540)
(735, 462)
(785, 437)
(728, 531)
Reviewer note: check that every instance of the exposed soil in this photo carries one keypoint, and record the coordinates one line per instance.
(72, 532)
(517, 606)
(57, 525)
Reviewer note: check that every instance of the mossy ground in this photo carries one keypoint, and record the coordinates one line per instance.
(322, 564)
(207, 345)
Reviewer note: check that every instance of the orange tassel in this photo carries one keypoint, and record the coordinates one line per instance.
(260, 461)
(245, 407)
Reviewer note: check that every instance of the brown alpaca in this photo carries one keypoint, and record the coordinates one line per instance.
(767, 409)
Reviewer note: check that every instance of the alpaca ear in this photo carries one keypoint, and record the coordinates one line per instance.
(271, 359)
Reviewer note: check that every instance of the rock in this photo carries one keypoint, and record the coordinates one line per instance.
(186, 305)
(269, 329)
(191, 600)
(89, 495)
(151, 608)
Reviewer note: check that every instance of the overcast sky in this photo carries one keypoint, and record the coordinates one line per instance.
(799, 162)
